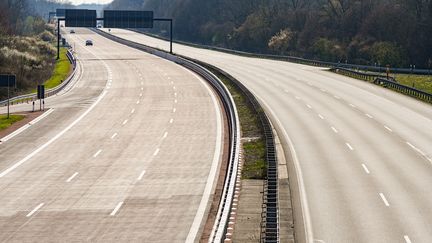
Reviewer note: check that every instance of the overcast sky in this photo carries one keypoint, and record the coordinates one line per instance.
(77, 2)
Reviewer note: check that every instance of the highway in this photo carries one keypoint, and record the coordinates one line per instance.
(129, 153)
(362, 154)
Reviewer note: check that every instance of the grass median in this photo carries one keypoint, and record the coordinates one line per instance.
(61, 70)
(254, 148)
(5, 122)
(420, 82)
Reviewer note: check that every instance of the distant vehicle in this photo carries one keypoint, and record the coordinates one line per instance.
(72, 31)
(99, 26)
(89, 43)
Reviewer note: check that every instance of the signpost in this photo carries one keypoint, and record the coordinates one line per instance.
(7, 80)
(112, 19)
(41, 95)
(128, 19)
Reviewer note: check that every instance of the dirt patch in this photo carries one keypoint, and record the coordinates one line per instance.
(28, 117)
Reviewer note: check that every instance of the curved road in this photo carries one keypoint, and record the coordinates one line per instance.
(363, 153)
(130, 153)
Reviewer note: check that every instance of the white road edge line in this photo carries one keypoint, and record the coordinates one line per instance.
(407, 239)
(97, 153)
(114, 135)
(22, 161)
(207, 193)
(141, 175)
(116, 209)
(71, 178)
(384, 199)
(349, 146)
(34, 210)
(23, 128)
(156, 152)
(305, 211)
(366, 169)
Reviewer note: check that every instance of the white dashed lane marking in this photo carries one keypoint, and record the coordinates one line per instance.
(71, 178)
(384, 199)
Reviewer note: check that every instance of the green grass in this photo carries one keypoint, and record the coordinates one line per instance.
(61, 70)
(255, 166)
(420, 82)
(5, 123)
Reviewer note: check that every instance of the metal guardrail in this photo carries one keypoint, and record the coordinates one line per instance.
(270, 213)
(387, 83)
(221, 223)
(297, 59)
(357, 74)
(49, 92)
(404, 89)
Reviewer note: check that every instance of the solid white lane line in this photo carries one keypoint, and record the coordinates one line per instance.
(138, 102)
(174, 109)
(165, 135)
(132, 111)
(337, 97)
(171, 120)
(407, 239)
(116, 208)
(334, 129)
(125, 121)
(71, 178)
(349, 146)
(309, 106)
(97, 153)
(369, 116)
(366, 169)
(352, 105)
(320, 116)
(384, 199)
(114, 135)
(388, 128)
(34, 210)
(141, 175)
(156, 152)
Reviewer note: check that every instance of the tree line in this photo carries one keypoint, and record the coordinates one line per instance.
(373, 32)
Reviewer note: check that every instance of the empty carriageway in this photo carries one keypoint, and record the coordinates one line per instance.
(362, 153)
(130, 153)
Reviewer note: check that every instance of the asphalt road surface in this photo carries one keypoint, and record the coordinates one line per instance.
(363, 154)
(130, 153)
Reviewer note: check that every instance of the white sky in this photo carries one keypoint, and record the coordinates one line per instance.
(77, 2)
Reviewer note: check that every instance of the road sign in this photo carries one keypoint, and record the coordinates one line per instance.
(128, 19)
(60, 12)
(80, 18)
(41, 92)
(7, 80)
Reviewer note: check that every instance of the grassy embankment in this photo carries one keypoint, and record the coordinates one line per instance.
(61, 70)
(252, 135)
(420, 82)
(5, 122)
